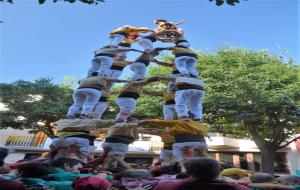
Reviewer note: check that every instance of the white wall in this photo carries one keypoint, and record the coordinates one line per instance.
(293, 158)
(4, 133)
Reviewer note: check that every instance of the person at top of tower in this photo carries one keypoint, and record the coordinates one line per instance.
(163, 25)
(165, 32)
(127, 34)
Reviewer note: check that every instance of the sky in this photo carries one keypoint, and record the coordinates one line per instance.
(58, 39)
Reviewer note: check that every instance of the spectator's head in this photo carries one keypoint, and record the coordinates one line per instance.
(182, 175)
(170, 169)
(90, 183)
(33, 170)
(225, 165)
(136, 174)
(202, 168)
(288, 180)
(261, 178)
(68, 164)
(4, 169)
(3, 154)
(200, 152)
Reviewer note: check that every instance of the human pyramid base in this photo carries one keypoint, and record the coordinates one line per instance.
(184, 165)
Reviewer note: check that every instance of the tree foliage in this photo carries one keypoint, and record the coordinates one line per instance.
(228, 2)
(28, 103)
(252, 93)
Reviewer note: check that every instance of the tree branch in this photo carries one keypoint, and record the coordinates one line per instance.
(283, 146)
(256, 137)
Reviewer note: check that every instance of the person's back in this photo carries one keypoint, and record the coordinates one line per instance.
(204, 173)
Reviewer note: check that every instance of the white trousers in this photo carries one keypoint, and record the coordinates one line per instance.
(186, 65)
(127, 107)
(146, 43)
(115, 39)
(115, 74)
(185, 44)
(100, 62)
(169, 112)
(104, 69)
(178, 148)
(166, 156)
(139, 70)
(100, 108)
(85, 98)
(189, 100)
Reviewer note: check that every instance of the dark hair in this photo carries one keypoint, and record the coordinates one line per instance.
(34, 170)
(95, 74)
(3, 154)
(159, 20)
(182, 175)
(137, 173)
(170, 169)
(202, 168)
(60, 162)
(225, 165)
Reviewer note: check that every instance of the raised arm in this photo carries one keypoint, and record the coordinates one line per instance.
(166, 78)
(136, 50)
(140, 82)
(162, 63)
(180, 22)
(115, 80)
(161, 49)
(116, 92)
(127, 49)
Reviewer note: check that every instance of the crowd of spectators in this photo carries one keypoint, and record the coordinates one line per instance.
(198, 173)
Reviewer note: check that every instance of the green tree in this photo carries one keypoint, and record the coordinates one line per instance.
(28, 104)
(253, 93)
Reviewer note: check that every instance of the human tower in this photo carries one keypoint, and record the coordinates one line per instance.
(181, 129)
